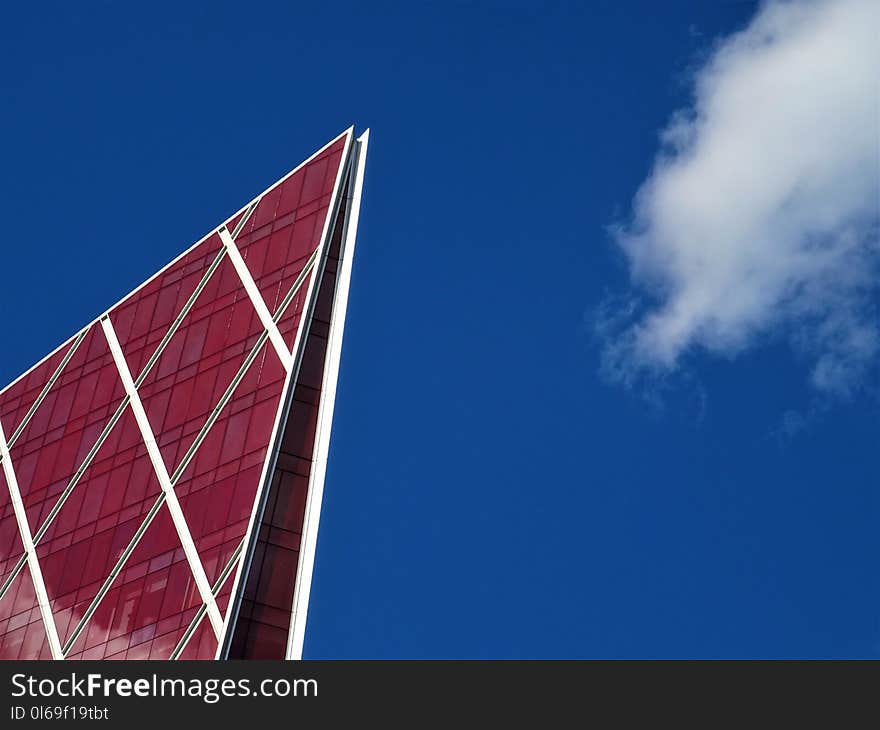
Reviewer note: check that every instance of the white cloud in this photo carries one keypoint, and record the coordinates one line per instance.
(761, 213)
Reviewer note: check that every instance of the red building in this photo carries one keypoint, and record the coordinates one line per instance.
(162, 470)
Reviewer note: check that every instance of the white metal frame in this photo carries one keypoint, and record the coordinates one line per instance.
(113, 574)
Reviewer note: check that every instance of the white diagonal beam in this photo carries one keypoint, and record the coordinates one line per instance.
(28, 542)
(257, 300)
(189, 547)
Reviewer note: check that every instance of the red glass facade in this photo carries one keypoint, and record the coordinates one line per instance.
(197, 407)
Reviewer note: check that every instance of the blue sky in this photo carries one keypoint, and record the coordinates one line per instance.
(492, 492)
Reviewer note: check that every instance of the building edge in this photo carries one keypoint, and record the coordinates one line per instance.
(315, 494)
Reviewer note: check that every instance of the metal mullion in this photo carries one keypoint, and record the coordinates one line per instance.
(200, 614)
(244, 219)
(188, 634)
(13, 575)
(294, 289)
(87, 462)
(175, 325)
(117, 569)
(215, 413)
(49, 383)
